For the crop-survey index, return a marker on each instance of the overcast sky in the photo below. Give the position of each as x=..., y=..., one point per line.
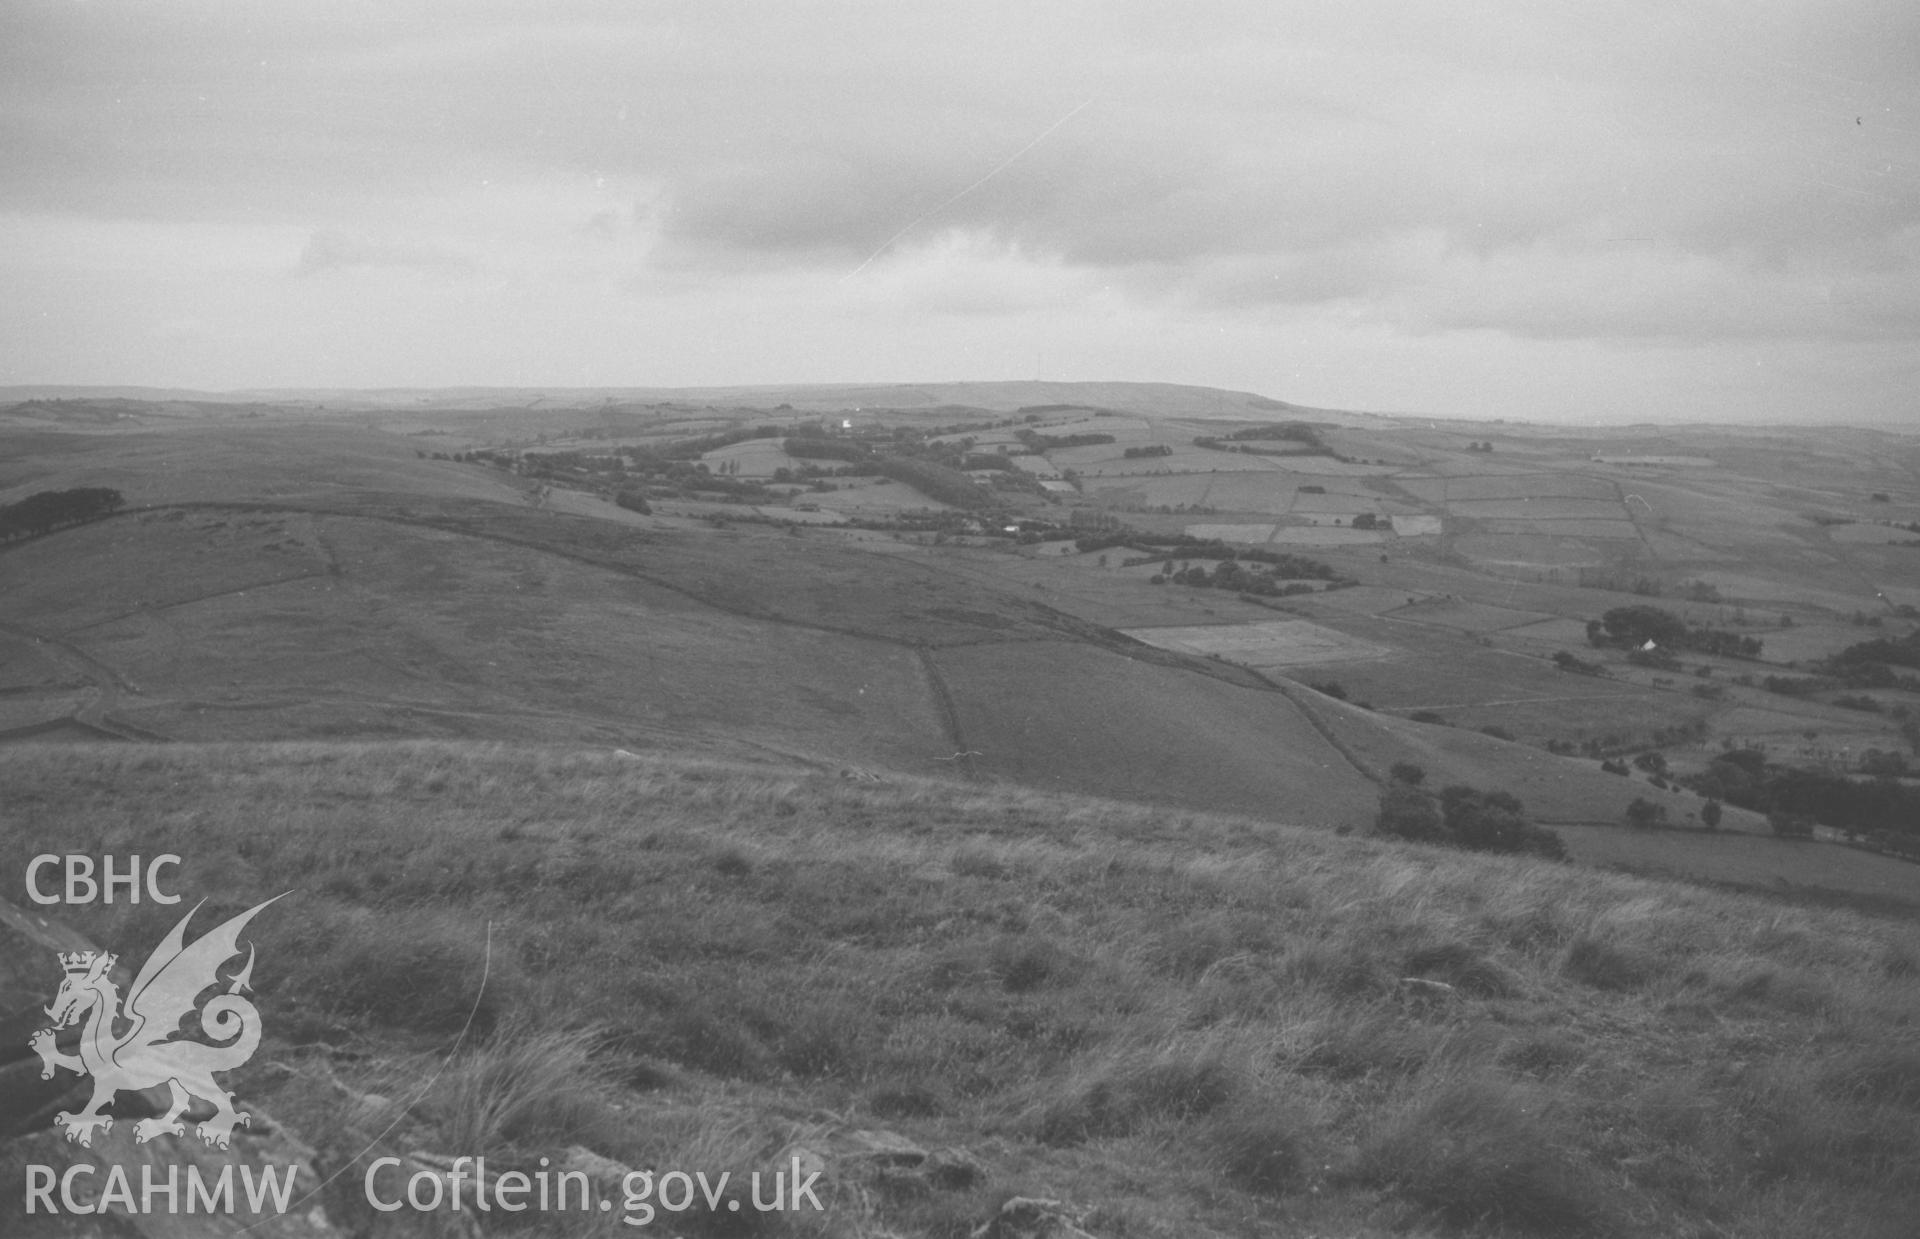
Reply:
x=1607, y=210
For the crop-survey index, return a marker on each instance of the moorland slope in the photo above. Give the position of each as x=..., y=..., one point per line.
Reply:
x=944, y=996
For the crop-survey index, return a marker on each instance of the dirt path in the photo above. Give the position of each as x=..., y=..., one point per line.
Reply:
x=949, y=717
x=108, y=685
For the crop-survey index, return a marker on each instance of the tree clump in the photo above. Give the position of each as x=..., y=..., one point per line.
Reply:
x=1463, y=817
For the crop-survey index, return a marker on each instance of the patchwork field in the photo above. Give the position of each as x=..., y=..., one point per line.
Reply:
x=1603, y=529
x=376, y=591
x=1268, y=643
x=1251, y=534
x=1326, y=535
x=1520, y=486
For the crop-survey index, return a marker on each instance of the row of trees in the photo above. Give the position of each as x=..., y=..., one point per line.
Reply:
x=1461, y=816
x=1045, y=443
x=935, y=481
x=49, y=510
x=1879, y=805
x=1634, y=626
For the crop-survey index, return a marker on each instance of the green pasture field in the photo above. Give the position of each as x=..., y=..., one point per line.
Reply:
x=1538, y=551
x=1807, y=641
x=294, y=461
x=1249, y=534
x=1447, y=612
x=1112, y=597
x=1184, y=459
x=1263, y=643
x=1327, y=467
x=863, y=495
x=1669, y=548
x=1272, y=494
x=1071, y=718
x=1539, y=509
x=1310, y=535
x=756, y=458
x=1176, y=490
x=1123, y=429
x=1491, y=488
x=1347, y=504
x=1872, y=535
x=149, y=562
x=1824, y=872
x=27, y=666
x=1362, y=600
x=1728, y=515
x=1782, y=723
x=1673, y=462
x=1606, y=530
x=1553, y=788
x=1556, y=634
x=1793, y=593
x=432, y=632
x=579, y=503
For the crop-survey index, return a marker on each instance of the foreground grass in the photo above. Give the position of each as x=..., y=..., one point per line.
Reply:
x=1186, y=1024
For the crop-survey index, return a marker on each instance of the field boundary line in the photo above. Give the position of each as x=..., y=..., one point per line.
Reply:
x=1296, y=693
x=949, y=715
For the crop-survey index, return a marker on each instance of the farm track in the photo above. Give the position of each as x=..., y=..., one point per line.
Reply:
x=156, y=608
x=1308, y=710
x=108, y=685
x=949, y=716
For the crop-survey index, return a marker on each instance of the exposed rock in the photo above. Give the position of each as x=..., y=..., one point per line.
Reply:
x=1028, y=1217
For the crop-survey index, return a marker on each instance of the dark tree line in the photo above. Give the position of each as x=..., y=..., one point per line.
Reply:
x=49, y=510
x=1634, y=626
x=1462, y=817
x=936, y=481
x=1882, y=805
x=1046, y=443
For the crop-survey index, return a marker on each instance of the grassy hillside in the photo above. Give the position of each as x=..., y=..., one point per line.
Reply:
x=297, y=573
x=424, y=614
x=1176, y=1024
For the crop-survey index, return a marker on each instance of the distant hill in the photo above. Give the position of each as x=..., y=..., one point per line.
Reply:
x=1164, y=399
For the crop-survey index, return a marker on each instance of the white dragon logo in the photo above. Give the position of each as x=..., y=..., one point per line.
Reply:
x=145, y=1054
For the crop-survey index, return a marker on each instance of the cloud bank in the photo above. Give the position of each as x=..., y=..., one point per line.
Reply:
x=1383, y=206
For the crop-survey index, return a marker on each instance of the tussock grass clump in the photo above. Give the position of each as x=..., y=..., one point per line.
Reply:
x=1605, y=965
x=425, y=971
x=1342, y=968
x=1889, y=1075
x=1131, y=1090
x=1793, y=1131
x=1464, y=968
x=1474, y=1150
x=525, y=1088
x=1262, y=1148
x=1023, y=963
x=1359, y=1043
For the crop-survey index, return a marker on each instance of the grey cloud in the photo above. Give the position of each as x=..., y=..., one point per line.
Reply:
x=1444, y=167
x=329, y=250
